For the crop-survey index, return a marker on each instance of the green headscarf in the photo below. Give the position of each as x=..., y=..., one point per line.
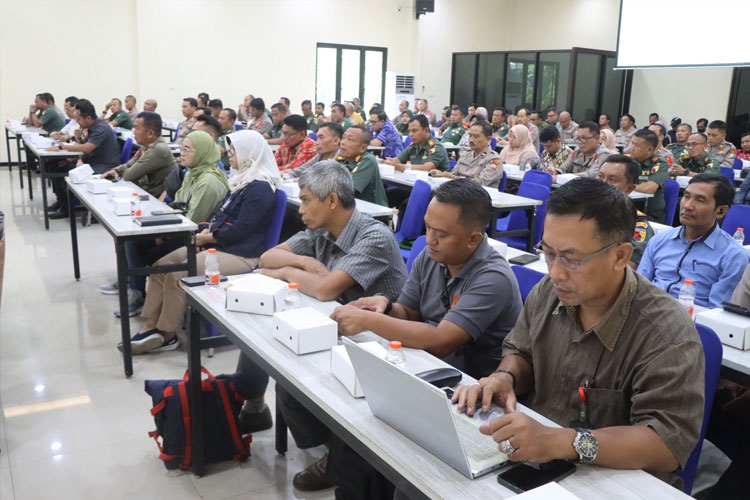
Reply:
x=206, y=155
x=403, y=128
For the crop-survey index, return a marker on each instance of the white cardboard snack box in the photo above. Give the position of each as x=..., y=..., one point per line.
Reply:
x=305, y=330
x=291, y=189
x=733, y=329
x=256, y=294
x=121, y=206
x=97, y=186
x=119, y=192
x=511, y=169
x=388, y=170
x=563, y=178
x=342, y=368
x=80, y=174
x=417, y=175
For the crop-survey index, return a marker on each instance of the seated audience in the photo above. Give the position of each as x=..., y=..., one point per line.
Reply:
x=403, y=123
x=607, y=138
x=402, y=106
x=358, y=109
x=698, y=249
x=696, y=159
x=743, y=152
x=297, y=148
x=500, y=129
x=536, y=119
x=457, y=128
x=349, y=113
x=130, y=107
x=662, y=152
x=425, y=151
x=654, y=172
x=424, y=110
x=480, y=114
x=150, y=105
x=307, y=114
x=320, y=109
x=481, y=164
x=445, y=120
x=243, y=109
x=338, y=115
x=588, y=156
x=605, y=122
x=42, y=114
x=327, y=144
x=594, y=328
x=677, y=148
x=203, y=99
x=701, y=125
x=215, y=105
x=67, y=132
x=626, y=131
x=552, y=117
x=385, y=134
x=524, y=119
x=275, y=135
x=258, y=120
x=555, y=152
x=672, y=134
x=189, y=106
x=520, y=149
x=622, y=172
x=363, y=166
x=208, y=124
x=154, y=160
x=227, y=118
x=567, y=127
x=119, y=117
x=653, y=118
x=236, y=231
x=718, y=147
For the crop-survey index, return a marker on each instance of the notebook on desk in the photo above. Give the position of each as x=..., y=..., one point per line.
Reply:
x=423, y=413
x=158, y=220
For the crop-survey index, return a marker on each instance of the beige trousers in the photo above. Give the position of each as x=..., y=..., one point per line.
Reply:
x=165, y=300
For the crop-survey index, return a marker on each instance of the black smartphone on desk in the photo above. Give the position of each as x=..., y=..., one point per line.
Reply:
x=525, y=477
x=523, y=259
x=192, y=281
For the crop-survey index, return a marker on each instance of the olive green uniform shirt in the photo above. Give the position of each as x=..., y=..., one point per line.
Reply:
x=501, y=130
x=51, y=120
x=643, y=233
x=724, y=152
x=149, y=167
x=223, y=143
x=366, y=178
x=312, y=123
x=706, y=164
x=486, y=168
x=677, y=149
x=453, y=133
x=656, y=170
x=122, y=119
x=275, y=131
x=430, y=151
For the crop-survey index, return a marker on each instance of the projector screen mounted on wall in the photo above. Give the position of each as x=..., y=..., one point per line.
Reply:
x=682, y=33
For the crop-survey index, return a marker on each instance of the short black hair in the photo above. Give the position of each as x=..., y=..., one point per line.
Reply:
x=118, y=100
x=210, y=121
x=649, y=136
x=335, y=128
x=685, y=124
x=744, y=134
x=258, y=103
x=380, y=114
x=192, y=101
x=205, y=109
x=47, y=97
x=422, y=120
x=364, y=133
x=473, y=202
x=215, y=103
x=612, y=210
x=321, y=104
x=632, y=169
x=458, y=108
x=719, y=125
x=71, y=100
x=591, y=126
x=151, y=121
x=630, y=117
x=486, y=127
x=553, y=109
x=501, y=109
x=286, y=101
x=662, y=128
x=296, y=122
x=232, y=113
x=723, y=189
x=204, y=96
x=537, y=113
x=609, y=118
x=340, y=107
x=306, y=102
x=86, y=108
x=279, y=106
x=704, y=121
x=655, y=114
x=473, y=104
x=131, y=96
x=548, y=134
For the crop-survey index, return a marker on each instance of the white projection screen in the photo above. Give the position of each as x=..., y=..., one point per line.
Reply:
x=683, y=33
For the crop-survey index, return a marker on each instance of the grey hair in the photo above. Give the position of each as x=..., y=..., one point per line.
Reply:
x=327, y=177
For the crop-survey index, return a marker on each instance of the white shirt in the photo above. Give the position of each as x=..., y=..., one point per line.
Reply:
x=70, y=127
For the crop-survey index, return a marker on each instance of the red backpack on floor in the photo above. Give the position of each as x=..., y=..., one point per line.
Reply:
x=221, y=405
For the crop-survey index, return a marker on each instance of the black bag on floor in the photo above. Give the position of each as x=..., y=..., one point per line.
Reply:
x=221, y=405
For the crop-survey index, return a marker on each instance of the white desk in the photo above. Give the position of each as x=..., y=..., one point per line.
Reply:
x=518, y=176
x=43, y=155
x=122, y=229
x=17, y=133
x=735, y=362
x=413, y=469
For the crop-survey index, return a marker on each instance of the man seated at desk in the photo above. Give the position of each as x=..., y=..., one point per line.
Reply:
x=275, y=136
x=654, y=172
x=338, y=115
x=567, y=127
x=130, y=102
x=189, y=106
x=625, y=133
x=457, y=128
x=227, y=118
x=587, y=157
x=695, y=160
x=698, y=249
x=500, y=129
x=597, y=349
x=43, y=114
x=661, y=151
x=364, y=167
x=68, y=131
x=297, y=148
x=119, y=117
x=384, y=134
x=258, y=120
x=343, y=255
x=555, y=152
x=327, y=144
x=150, y=105
x=718, y=146
x=683, y=132
x=482, y=164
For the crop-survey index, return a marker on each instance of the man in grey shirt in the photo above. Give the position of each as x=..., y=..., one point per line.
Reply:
x=464, y=290
x=588, y=157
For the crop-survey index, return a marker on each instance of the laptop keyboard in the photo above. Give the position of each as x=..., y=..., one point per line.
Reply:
x=478, y=447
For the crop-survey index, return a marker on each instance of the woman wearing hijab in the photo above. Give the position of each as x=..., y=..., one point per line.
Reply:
x=608, y=139
x=520, y=149
x=403, y=124
x=236, y=230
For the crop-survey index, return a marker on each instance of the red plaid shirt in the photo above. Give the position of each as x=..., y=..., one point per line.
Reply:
x=288, y=158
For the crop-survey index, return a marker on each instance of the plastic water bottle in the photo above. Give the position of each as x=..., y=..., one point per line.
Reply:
x=739, y=236
x=212, y=274
x=408, y=166
x=79, y=163
x=135, y=206
x=291, y=301
x=687, y=297
x=395, y=355
x=527, y=167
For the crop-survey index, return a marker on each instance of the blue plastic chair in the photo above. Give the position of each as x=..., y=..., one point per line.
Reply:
x=527, y=279
x=738, y=216
x=273, y=232
x=671, y=196
x=313, y=136
x=493, y=143
x=728, y=173
x=712, y=351
x=538, y=177
x=407, y=141
x=541, y=149
x=126, y=149
x=439, y=122
x=737, y=165
x=432, y=133
x=67, y=120
x=413, y=222
x=452, y=163
x=517, y=219
x=503, y=181
x=416, y=249
x=238, y=127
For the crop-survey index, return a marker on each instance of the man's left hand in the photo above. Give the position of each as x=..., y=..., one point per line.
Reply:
x=533, y=441
x=351, y=319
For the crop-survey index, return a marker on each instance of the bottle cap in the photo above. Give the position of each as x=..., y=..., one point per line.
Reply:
x=293, y=285
x=135, y=194
x=211, y=250
x=688, y=282
x=740, y=229
x=395, y=344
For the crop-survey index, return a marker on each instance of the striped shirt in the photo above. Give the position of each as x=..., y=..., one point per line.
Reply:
x=366, y=250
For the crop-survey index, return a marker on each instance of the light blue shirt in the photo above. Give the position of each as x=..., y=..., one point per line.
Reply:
x=715, y=263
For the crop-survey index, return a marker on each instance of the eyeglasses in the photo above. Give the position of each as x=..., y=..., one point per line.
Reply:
x=584, y=139
x=290, y=134
x=569, y=264
x=185, y=149
x=694, y=144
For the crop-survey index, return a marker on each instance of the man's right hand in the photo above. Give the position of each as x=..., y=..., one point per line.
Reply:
x=497, y=388
x=110, y=174
x=377, y=302
x=314, y=266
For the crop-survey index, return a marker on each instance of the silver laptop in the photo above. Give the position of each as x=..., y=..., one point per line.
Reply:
x=424, y=414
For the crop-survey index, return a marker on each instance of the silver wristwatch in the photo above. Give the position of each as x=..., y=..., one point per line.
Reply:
x=586, y=446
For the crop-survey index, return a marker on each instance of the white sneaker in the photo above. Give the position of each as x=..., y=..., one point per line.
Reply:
x=135, y=303
x=110, y=288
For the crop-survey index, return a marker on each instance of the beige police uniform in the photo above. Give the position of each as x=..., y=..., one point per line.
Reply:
x=486, y=168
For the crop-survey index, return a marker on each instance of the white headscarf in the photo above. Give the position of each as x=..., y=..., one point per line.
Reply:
x=254, y=159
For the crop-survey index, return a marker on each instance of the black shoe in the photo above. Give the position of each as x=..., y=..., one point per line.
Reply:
x=248, y=422
x=55, y=206
x=313, y=478
x=58, y=214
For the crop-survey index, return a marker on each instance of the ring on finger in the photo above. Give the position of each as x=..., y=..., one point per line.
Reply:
x=507, y=448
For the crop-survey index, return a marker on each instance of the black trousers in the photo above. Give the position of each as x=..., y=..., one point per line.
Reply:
x=251, y=380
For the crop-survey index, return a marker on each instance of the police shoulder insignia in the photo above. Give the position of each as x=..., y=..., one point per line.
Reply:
x=655, y=169
x=639, y=235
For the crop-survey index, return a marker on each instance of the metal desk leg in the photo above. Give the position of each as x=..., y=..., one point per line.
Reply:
x=531, y=216
x=20, y=165
x=44, y=191
x=493, y=223
x=281, y=433
x=122, y=283
x=191, y=261
x=73, y=235
x=194, y=378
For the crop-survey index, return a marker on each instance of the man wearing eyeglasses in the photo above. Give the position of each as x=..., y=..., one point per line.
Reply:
x=297, y=147
x=597, y=349
x=587, y=157
x=384, y=134
x=695, y=160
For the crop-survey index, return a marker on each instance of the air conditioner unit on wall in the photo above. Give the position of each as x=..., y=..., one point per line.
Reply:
x=398, y=87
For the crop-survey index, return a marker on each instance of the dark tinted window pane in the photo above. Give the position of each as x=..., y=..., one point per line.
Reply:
x=612, y=89
x=552, y=80
x=464, y=66
x=519, y=89
x=490, y=81
x=585, y=98
x=739, y=122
